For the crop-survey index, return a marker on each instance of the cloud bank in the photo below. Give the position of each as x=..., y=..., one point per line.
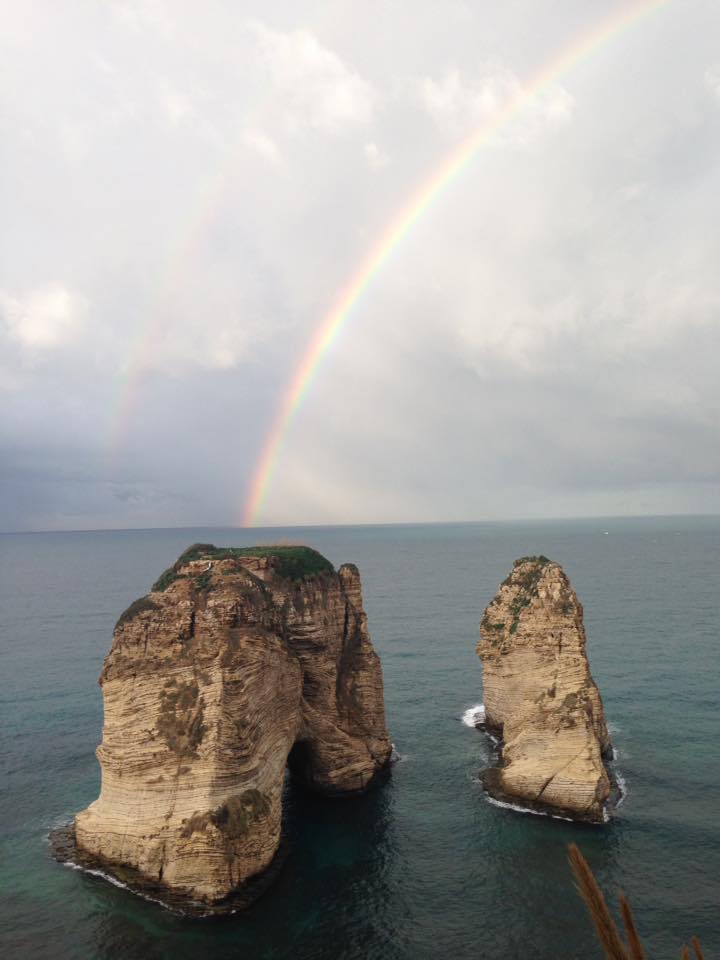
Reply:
x=186, y=191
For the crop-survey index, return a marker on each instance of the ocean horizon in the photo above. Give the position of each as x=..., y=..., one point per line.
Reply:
x=502, y=521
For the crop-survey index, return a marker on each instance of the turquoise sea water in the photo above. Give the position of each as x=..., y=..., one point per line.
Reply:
x=423, y=867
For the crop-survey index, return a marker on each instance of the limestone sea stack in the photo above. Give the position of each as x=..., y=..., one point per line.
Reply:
x=239, y=662
x=540, y=699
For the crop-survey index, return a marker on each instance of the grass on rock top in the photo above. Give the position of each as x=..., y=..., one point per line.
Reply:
x=294, y=562
x=527, y=582
x=136, y=607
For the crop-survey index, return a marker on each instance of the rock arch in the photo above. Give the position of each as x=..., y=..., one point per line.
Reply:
x=238, y=662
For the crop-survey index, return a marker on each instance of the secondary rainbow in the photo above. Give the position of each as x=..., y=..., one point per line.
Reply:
x=179, y=262
x=429, y=191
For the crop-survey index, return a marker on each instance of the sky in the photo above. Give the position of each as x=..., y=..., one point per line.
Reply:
x=186, y=188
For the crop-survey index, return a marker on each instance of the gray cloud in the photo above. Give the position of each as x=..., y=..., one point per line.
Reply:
x=186, y=191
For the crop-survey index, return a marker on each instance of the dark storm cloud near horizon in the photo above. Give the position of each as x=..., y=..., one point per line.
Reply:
x=185, y=192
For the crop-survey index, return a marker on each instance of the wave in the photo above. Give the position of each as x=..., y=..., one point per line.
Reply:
x=622, y=787
x=100, y=873
x=520, y=809
x=94, y=872
x=617, y=776
x=474, y=715
x=607, y=809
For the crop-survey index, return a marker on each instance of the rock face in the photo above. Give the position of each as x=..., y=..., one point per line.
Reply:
x=540, y=698
x=238, y=662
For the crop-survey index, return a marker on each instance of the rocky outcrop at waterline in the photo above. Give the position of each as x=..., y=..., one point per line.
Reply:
x=239, y=662
x=540, y=700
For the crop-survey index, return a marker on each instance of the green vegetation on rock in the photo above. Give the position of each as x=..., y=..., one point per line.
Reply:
x=294, y=562
x=232, y=818
x=135, y=608
x=489, y=627
x=164, y=580
x=203, y=581
x=237, y=813
x=527, y=580
x=180, y=720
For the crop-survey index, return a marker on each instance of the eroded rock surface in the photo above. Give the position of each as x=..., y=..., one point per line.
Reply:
x=540, y=698
x=236, y=661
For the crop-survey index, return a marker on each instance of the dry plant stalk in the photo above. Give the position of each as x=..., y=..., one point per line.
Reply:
x=607, y=930
x=637, y=950
x=696, y=947
x=589, y=889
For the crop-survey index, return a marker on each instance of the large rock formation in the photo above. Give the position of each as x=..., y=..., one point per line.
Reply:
x=238, y=662
x=540, y=698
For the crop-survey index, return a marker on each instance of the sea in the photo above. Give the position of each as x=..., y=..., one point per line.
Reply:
x=423, y=866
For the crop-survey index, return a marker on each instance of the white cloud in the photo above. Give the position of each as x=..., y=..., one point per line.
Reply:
x=376, y=158
x=316, y=88
x=712, y=79
x=454, y=104
x=143, y=15
x=262, y=144
x=208, y=176
x=176, y=105
x=74, y=140
x=556, y=105
x=459, y=106
x=47, y=318
x=632, y=191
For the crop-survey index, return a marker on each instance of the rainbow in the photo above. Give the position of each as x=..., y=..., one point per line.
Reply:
x=210, y=201
x=429, y=191
x=182, y=255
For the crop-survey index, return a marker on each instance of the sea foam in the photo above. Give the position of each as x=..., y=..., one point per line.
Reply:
x=474, y=715
x=118, y=883
x=622, y=787
x=520, y=809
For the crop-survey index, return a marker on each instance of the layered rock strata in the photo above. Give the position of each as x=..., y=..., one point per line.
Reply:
x=238, y=662
x=540, y=700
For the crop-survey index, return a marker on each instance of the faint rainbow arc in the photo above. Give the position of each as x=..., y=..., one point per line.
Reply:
x=430, y=190
x=179, y=259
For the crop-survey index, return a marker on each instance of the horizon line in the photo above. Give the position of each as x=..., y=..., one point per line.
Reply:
x=372, y=523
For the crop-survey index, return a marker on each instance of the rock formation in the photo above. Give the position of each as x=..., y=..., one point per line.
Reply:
x=540, y=699
x=239, y=661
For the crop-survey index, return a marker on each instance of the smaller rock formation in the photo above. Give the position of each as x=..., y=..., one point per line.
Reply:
x=540, y=699
x=239, y=663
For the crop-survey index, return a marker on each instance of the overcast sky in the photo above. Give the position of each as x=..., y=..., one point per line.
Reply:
x=185, y=187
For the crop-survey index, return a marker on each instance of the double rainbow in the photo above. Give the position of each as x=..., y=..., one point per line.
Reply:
x=429, y=191
x=330, y=325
